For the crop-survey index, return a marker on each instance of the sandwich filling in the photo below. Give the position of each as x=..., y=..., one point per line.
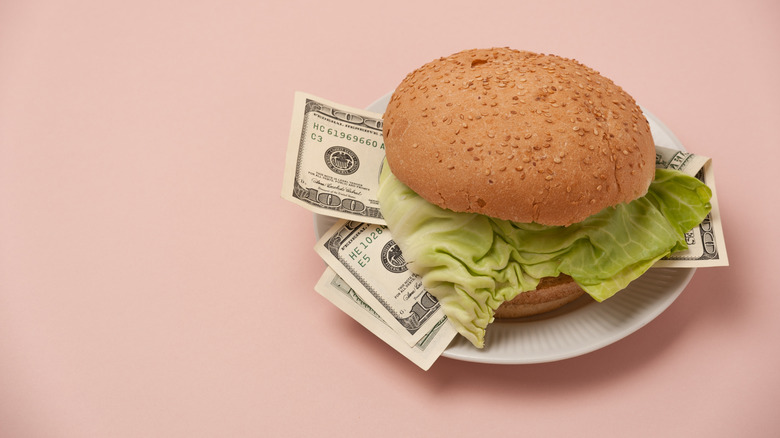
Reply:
x=472, y=263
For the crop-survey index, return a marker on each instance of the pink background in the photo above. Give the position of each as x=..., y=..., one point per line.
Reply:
x=153, y=282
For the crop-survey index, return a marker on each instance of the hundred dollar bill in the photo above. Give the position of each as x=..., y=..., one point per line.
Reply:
x=369, y=260
x=706, y=245
x=334, y=156
x=424, y=353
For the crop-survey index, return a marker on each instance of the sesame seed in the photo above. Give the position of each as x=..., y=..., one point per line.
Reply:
x=548, y=177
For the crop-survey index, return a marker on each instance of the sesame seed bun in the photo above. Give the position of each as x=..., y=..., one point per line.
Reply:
x=518, y=135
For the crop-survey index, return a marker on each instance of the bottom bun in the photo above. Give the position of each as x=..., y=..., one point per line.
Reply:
x=550, y=294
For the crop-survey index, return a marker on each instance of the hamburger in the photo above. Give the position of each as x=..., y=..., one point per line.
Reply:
x=515, y=182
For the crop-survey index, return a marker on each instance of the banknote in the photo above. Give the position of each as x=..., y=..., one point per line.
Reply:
x=706, y=244
x=369, y=260
x=334, y=157
x=335, y=154
x=424, y=353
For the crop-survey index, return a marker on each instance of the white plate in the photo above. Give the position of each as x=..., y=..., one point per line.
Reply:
x=582, y=326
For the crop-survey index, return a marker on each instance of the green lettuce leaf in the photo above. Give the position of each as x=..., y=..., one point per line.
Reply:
x=472, y=263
